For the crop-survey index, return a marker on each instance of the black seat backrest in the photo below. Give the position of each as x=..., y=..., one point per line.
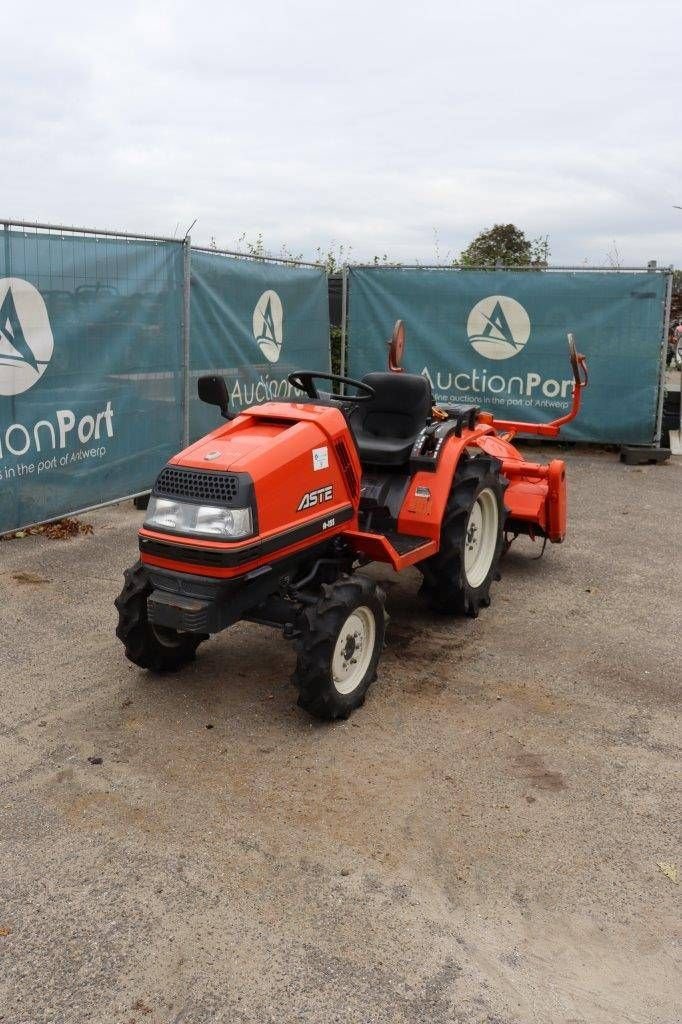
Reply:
x=400, y=407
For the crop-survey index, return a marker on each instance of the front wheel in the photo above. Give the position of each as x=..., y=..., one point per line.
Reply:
x=457, y=579
x=341, y=638
x=153, y=647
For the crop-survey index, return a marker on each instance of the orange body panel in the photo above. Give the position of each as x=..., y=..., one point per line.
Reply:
x=421, y=516
x=536, y=494
x=377, y=547
x=275, y=442
x=557, y=503
x=527, y=500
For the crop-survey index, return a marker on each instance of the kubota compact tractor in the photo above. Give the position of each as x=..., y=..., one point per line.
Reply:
x=268, y=518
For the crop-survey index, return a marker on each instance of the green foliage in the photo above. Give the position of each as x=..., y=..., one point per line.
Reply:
x=505, y=244
x=334, y=259
x=255, y=248
x=335, y=347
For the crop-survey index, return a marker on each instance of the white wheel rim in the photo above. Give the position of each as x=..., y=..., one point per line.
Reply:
x=353, y=650
x=480, y=537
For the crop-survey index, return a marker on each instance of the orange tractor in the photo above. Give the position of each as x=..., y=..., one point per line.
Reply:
x=269, y=517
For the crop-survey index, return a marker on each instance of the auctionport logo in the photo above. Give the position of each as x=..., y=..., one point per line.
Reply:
x=498, y=327
x=26, y=341
x=268, y=318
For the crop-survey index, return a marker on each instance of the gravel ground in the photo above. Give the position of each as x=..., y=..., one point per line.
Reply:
x=479, y=843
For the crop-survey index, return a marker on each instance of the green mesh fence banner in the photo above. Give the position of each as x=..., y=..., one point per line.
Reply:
x=497, y=339
x=90, y=370
x=254, y=322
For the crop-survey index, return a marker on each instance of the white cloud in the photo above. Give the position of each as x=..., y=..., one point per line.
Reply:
x=373, y=125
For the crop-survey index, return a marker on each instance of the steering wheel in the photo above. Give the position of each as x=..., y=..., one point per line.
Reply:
x=303, y=380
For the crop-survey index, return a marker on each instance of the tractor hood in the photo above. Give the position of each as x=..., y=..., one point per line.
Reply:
x=290, y=463
x=229, y=448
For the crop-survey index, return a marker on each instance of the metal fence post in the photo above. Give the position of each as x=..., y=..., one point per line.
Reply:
x=8, y=273
x=186, y=289
x=662, y=379
x=344, y=296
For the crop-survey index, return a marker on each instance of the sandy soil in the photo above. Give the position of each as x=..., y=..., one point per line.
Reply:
x=479, y=843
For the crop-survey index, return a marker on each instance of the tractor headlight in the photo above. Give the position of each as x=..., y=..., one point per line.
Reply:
x=207, y=520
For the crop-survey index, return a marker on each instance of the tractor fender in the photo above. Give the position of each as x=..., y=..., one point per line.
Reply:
x=499, y=447
x=423, y=507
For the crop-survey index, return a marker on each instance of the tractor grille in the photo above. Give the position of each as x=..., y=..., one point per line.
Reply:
x=212, y=488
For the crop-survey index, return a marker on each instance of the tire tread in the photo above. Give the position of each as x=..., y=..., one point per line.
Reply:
x=319, y=628
x=136, y=634
x=445, y=585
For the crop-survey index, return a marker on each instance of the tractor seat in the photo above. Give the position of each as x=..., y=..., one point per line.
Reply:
x=386, y=427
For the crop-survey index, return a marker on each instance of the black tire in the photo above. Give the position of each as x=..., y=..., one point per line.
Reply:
x=446, y=585
x=155, y=648
x=320, y=628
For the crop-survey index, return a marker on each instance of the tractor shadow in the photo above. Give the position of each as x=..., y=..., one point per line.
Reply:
x=245, y=673
x=526, y=558
x=241, y=682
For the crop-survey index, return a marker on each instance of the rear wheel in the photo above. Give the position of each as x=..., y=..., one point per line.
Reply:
x=341, y=639
x=153, y=647
x=457, y=580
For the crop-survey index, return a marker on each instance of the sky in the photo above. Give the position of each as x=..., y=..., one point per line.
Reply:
x=394, y=128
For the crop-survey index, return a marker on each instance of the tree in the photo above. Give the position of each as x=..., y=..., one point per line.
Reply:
x=506, y=244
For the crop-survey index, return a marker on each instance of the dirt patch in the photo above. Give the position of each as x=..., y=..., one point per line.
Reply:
x=30, y=578
x=490, y=838
x=62, y=529
x=534, y=769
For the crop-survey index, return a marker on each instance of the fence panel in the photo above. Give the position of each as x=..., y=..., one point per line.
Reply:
x=498, y=339
x=254, y=321
x=90, y=370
